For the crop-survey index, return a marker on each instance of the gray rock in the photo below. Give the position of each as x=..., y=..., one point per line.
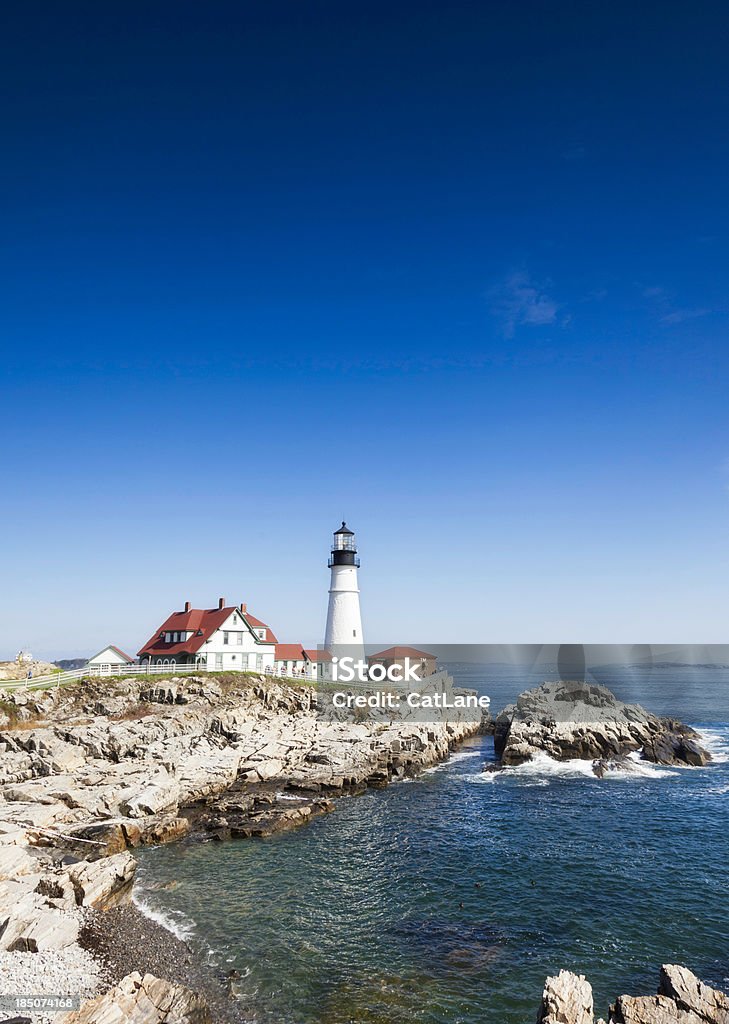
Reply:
x=582, y=720
x=566, y=999
x=142, y=1000
x=103, y=883
x=692, y=995
x=15, y=860
x=651, y=1010
x=32, y=926
x=682, y=999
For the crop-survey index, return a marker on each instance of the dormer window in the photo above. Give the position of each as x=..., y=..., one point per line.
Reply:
x=261, y=634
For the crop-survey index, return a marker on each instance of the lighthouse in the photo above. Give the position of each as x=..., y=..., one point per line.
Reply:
x=344, y=621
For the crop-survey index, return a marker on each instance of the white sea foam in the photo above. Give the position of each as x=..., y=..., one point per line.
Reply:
x=718, y=790
x=643, y=769
x=542, y=768
x=716, y=742
x=178, y=924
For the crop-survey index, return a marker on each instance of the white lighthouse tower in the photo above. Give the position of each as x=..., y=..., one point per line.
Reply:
x=344, y=621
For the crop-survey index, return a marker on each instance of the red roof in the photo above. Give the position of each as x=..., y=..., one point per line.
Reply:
x=290, y=652
x=202, y=623
x=401, y=652
x=316, y=655
x=257, y=624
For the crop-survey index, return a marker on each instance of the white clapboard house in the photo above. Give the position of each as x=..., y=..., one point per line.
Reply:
x=110, y=660
x=226, y=638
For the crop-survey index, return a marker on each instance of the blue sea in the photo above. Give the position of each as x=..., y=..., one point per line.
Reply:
x=451, y=897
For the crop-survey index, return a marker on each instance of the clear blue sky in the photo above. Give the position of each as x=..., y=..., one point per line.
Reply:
x=457, y=272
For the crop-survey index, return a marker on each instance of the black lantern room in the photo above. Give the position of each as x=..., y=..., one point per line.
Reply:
x=344, y=549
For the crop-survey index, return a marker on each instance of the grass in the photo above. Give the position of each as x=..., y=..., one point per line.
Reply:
x=227, y=680
x=10, y=711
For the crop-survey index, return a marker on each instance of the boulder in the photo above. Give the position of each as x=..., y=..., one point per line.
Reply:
x=582, y=720
x=682, y=999
x=142, y=1000
x=692, y=995
x=566, y=999
x=161, y=794
x=14, y=861
x=31, y=926
x=95, y=840
x=103, y=883
x=651, y=1010
x=164, y=829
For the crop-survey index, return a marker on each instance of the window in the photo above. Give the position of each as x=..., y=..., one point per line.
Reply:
x=244, y=661
x=225, y=637
x=218, y=660
x=261, y=634
x=168, y=638
x=259, y=662
x=354, y=632
x=238, y=638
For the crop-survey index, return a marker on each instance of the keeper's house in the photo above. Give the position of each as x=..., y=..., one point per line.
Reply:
x=226, y=638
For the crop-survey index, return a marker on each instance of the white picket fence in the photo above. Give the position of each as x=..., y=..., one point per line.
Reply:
x=59, y=678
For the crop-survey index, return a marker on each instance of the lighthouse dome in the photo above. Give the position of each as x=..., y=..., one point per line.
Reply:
x=344, y=548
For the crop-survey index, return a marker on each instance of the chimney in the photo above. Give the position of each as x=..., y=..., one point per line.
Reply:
x=243, y=608
x=221, y=603
x=187, y=606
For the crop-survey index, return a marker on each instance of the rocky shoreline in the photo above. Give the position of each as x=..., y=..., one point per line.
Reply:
x=91, y=772
x=126, y=940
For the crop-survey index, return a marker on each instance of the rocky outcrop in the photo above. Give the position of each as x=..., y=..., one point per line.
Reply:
x=693, y=995
x=582, y=720
x=260, y=812
x=124, y=758
x=104, y=767
x=566, y=999
x=681, y=999
x=103, y=883
x=142, y=1000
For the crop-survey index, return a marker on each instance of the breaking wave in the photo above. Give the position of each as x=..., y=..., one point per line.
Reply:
x=716, y=742
x=542, y=769
x=174, y=921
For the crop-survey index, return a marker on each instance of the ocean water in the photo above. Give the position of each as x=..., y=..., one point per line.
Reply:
x=449, y=898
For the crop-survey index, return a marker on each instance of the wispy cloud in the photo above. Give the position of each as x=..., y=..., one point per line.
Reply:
x=678, y=316
x=662, y=303
x=518, y=301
